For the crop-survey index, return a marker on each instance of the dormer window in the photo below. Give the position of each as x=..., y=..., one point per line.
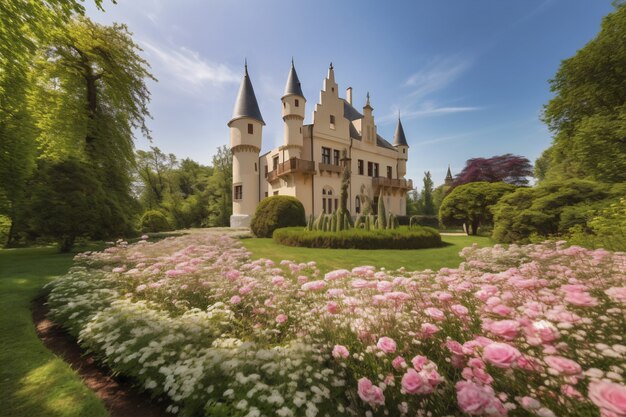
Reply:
x=332, y=122
x=297, y=103
x=250, y=128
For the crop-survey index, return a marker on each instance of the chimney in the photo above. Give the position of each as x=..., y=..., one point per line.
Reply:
x=349, y=95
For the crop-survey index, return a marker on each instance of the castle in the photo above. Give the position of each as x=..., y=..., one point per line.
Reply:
x=309, y=164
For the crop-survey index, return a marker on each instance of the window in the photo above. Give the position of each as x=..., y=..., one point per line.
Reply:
x=370, y=169
x=360, y=167
x=297, y=103
x=389, y=172
x=275, y=163
x=403, y=150
x=275, y=193
x=238, y=192
x=325, y=155
x=376, y=170
x=357, y=204
x=336, y=156
x=250, y=128
x=332, y=121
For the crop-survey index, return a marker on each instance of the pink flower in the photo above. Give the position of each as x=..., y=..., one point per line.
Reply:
x=370, y=393
x=459, y=310
x=563, y=365
x=541, y=332
x=414, y=383
x=313, y=286
x=610, y=397
x=473, y=399
x=501, y=310
x=435, y=313
x=429, y=329
x=278, y=280
x=340, y=351
x=617, y=294
x=507, y=329
x=500, y=355
x=281, y=318
x=332, y=307
x=397, y=296
x=235, y=299
x=337, y=274
x=386, y=344
x=581, y=299
x=419, y=361
x=119, y=269
x=398, y=362
x=384, y=286
x=245, y=289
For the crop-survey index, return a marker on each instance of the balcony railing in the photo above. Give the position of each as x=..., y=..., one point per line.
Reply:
x=292, y=166
x=329, y=167
x=392, y=183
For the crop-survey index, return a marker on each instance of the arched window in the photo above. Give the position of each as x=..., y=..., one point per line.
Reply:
x=357, y=204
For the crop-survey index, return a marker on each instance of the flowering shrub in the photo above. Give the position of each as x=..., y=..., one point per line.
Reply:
x=518, y=331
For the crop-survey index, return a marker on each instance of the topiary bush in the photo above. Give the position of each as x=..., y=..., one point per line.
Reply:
x=154, y=221
x=401, y=238
x=276, y=212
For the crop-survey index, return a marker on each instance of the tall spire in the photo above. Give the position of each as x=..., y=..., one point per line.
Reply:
x=449, y=178
x=293, y=86
x=246, y=104
x=399, y=139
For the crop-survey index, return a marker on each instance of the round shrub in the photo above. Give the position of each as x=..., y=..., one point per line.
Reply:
x=402, y=238
x=275, y=212
x=154, y=221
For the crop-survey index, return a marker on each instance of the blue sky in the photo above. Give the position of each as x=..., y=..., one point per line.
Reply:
x=469, y=77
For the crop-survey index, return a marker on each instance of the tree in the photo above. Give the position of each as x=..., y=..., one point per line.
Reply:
x=508, y=168
x=439, y=194
x=428, y=206
x=219, y=188
x=154, y=172
x=67, y=201
x=88, y=97
x=470, y=204
x=588, y=112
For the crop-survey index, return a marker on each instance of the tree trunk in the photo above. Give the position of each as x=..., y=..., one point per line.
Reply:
x=475, y=224
x=10, y=237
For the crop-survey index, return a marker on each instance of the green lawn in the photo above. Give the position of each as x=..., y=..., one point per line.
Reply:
x=329, y=259
x=33, y=381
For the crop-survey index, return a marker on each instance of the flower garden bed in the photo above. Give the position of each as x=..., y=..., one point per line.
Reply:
x=522, y=331
x=401, y=238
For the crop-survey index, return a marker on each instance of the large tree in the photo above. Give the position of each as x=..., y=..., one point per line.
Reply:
x=427, y=204
x=588, y=113
x=220, y=188
x=512, y=169
x=88, y=99
x=470, y=204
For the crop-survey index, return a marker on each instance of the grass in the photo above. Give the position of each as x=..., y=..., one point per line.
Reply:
x=329, y=259
x=34, y=381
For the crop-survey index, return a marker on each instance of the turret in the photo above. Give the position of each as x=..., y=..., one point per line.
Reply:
x=245, y=143
x=449, y=180
x=400, y=143
x=293, y=114
x=368, y=127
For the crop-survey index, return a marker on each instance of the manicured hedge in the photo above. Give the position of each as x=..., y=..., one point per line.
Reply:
x=402, y=238
x=275, y=212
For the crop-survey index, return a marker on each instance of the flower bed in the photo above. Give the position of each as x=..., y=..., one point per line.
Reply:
x=402, y=238
x=530, y=330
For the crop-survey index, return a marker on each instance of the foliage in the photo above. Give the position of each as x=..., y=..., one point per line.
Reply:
x=424, y=220
x=403, y=238
x=607, y=229
x=427, y=203
x=67, y=201
x=219, y=188
x=550, y=208
x=508, y=168
x=275, y=212
x=34, y=381
x=154, y=221
x=588, y=113
x=471, y=204
x=512, y=331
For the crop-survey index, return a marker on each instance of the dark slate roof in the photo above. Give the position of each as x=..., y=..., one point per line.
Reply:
x=246, y=104
x=354, y=134
x=399, y=139
x=293, y=84
x=350, y=112
x=380, y=141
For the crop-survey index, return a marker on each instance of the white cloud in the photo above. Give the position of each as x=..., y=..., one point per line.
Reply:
x=436, y=75
x=187, y=66
x=428, y=109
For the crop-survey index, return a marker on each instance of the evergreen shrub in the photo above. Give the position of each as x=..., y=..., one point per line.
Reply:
x=154, y=221
x=422, y=220
x=276, y=212
x=401, y=238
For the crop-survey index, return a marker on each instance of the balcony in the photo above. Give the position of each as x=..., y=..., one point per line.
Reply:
x=330, y=167
x=396, y=183
x=292, y=166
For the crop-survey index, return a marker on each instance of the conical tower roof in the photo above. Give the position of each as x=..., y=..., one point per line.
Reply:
x=399, y=139
x=293, y=86
x=246, y=104
x=449, y=174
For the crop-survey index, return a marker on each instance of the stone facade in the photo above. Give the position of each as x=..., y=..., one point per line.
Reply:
x=309, y=164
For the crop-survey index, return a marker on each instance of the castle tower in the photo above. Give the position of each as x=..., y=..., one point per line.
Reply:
x=245, y=143
x=400, y=143
x=293, y=115
x=368, y=126
x=449, y=180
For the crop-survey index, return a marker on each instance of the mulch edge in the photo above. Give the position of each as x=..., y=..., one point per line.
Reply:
x=120, y=397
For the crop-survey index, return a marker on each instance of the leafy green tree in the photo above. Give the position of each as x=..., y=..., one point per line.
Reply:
x=471, y=204
x=67, y=201
x=551, y=208
x=153, y=172
x=588, y=113
x=439, y=194
x=219, y=188
x=428, y=205
x=413, y=203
